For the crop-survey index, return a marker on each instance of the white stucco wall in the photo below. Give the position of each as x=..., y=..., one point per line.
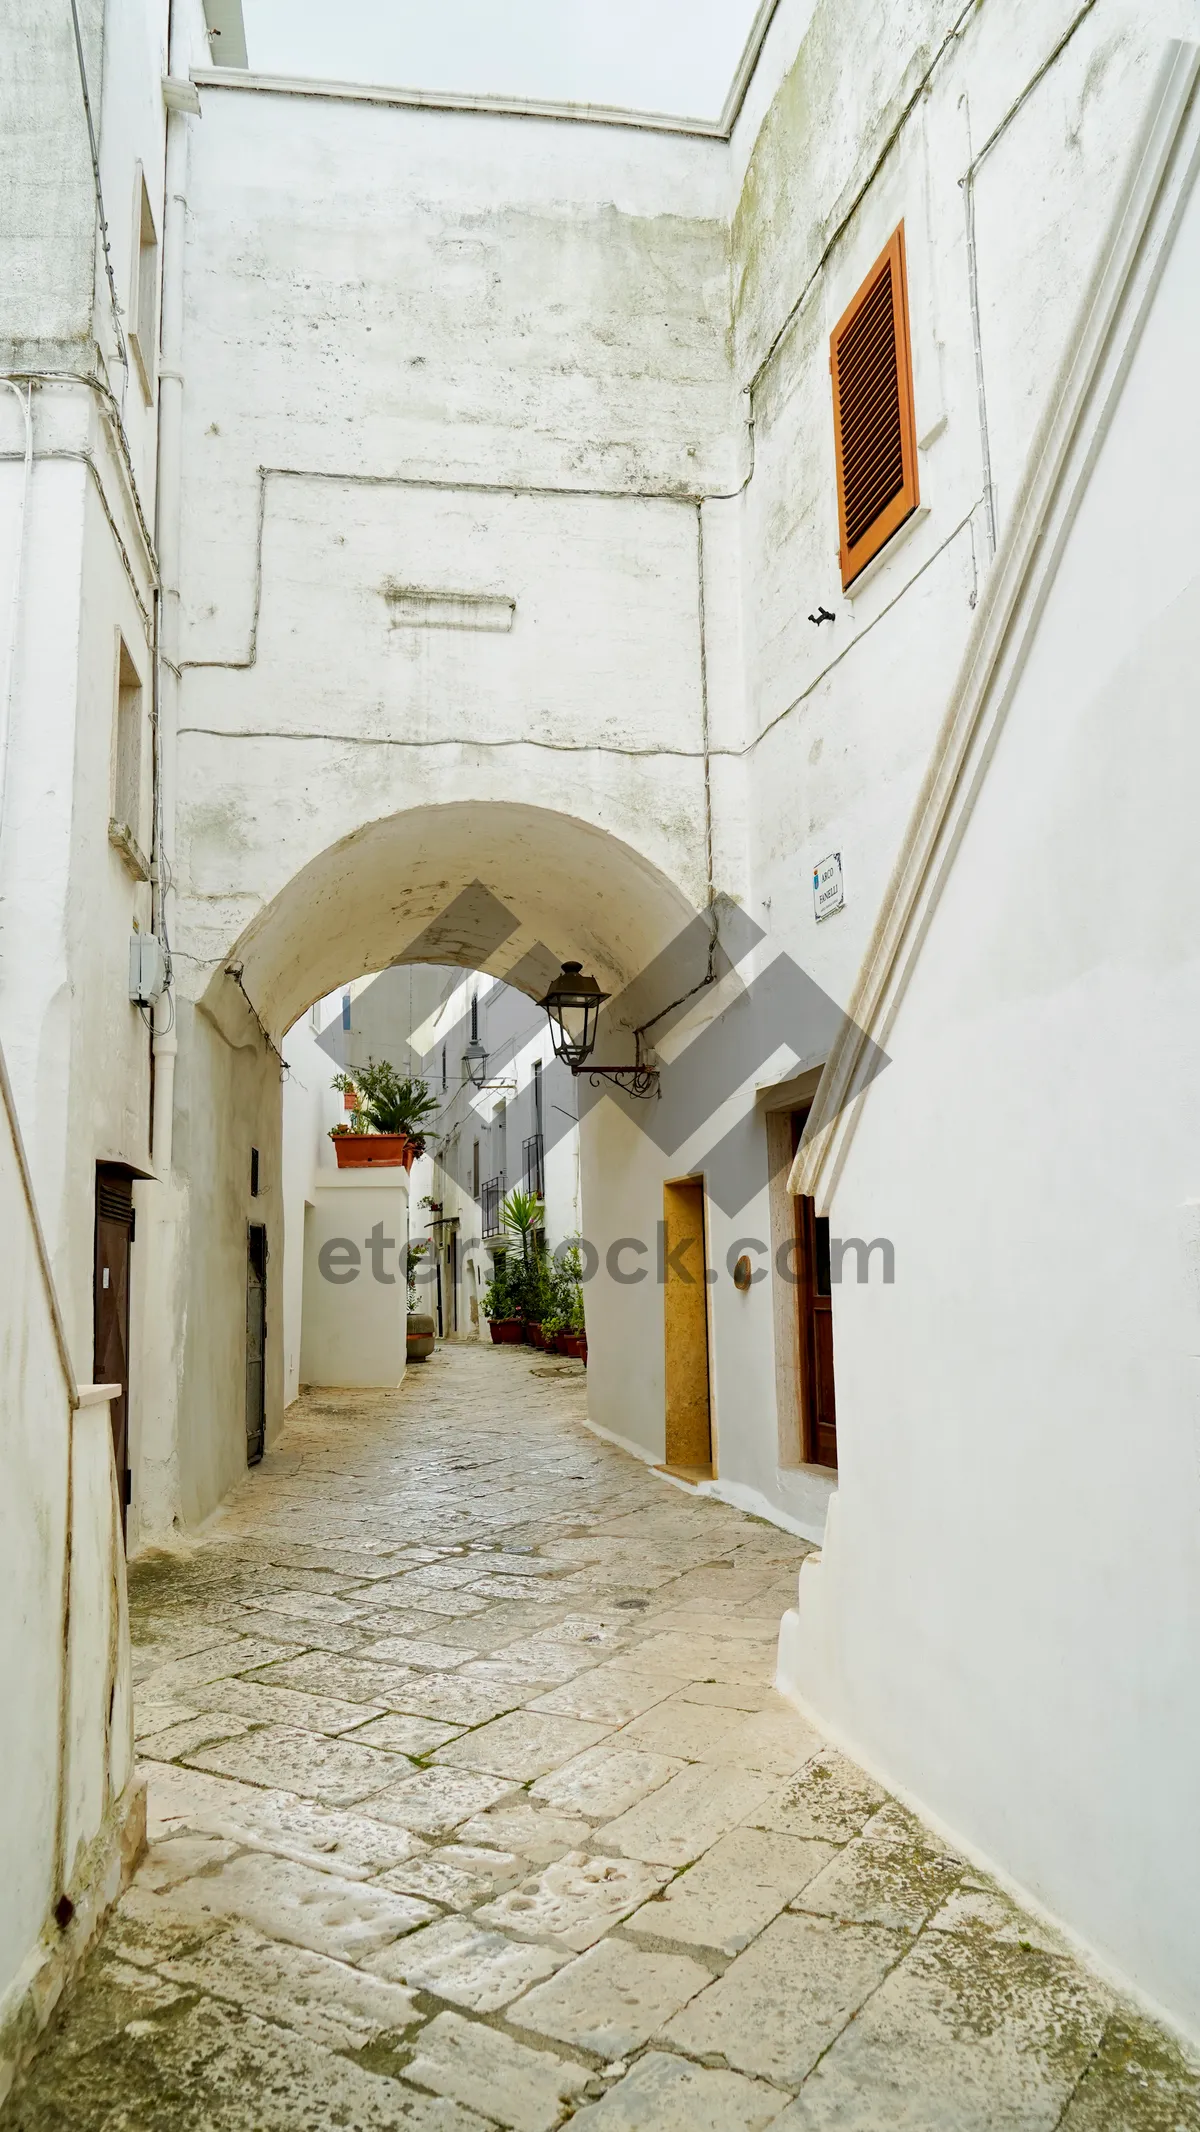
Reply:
x=65, y=1682
x=355, y=1308
x=310, y=1108
x=1005, y=1619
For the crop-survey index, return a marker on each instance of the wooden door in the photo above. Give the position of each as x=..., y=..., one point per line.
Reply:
x=256, y=1342
x=110, y=1357
x=814, y=1296
x=685, y=1321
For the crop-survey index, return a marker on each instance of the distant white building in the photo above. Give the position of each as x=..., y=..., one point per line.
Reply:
x=484, y=1052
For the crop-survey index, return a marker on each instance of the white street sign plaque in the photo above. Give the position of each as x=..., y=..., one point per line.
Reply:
x=828, y=890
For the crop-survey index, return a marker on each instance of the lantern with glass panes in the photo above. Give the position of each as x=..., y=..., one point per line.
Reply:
x=573, y=1005
x=474, y=1058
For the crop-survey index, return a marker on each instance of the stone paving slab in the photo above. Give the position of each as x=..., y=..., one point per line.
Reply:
x=487, y=2070
x=612, y=1999
x=689, y=1731
x=606, y=1781
x=216, y=2069
x=893, y=1874
x=668, y=1905
x=829, y=1800
x=779, y=2005
x=324, y=2000
x=667, y=2094
x=335, y=1771
x=687, y=1814
x=401, y=1734
x=457, y=1875
x=523, y=1745
x=170, y=1742
x=958, y=2039
x=435, y=1801
x=467, y=1964
x=610, y=1694
x=331, y=1839
x=538, y=1833
x=261, y=1705
x=348, y=1920
x=576, y=1900
x=735, y=1889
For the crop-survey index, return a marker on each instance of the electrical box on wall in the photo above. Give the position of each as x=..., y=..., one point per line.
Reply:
x=147, y=969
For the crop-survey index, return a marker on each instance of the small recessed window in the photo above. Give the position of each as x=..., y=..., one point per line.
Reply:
x=125, y=828
x=254, y=1173
x=143, y=293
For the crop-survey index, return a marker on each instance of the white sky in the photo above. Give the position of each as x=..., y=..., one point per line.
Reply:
x=650, y=55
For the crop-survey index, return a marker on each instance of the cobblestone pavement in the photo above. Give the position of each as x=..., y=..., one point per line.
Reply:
x=472, y=1804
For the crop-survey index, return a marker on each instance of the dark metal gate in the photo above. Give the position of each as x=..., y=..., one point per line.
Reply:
x=256, y=1343
x=110, y=1362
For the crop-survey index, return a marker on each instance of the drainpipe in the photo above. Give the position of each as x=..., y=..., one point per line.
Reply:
x=10, y=675
x=167, y=506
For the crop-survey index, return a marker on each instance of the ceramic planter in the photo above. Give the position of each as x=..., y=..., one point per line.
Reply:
x=362, y=1151
x=421, y=1336
x=506, y=1332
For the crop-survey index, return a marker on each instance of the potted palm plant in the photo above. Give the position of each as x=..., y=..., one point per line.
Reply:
x=523, y=1215
x=386, y=1126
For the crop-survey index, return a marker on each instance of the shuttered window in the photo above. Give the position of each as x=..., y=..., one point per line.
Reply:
x=873, y=425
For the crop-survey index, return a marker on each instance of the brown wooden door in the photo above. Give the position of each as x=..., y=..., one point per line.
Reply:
x=814, y=1295
x=110, y=1360
x=685, y=1325
x=256, y=1343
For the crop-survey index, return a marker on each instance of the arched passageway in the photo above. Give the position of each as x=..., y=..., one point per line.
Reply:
x=500, y=886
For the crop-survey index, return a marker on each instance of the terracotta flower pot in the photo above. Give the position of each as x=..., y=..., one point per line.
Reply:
x=506, y=1332
x=561, y=1340
x=577, y=1346
x=361, y=1151
x=536, y=1336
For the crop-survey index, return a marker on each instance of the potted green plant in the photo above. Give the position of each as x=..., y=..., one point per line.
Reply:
x=386, y=1125
x=571, y=1338
x=498, y=1304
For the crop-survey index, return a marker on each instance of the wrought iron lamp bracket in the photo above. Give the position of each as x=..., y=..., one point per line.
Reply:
x=635, y=1080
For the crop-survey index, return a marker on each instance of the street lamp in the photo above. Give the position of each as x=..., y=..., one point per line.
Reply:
x=474, y=1063
x=573, y=1005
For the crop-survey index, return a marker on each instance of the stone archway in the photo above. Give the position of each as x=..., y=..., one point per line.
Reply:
x=496, y=884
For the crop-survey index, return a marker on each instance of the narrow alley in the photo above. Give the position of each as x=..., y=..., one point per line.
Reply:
x=471, y=1803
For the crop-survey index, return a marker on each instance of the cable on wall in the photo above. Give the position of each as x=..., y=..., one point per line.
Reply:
x=102, y=218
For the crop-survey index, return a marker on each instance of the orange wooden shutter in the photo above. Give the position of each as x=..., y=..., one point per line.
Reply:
x=874, y=428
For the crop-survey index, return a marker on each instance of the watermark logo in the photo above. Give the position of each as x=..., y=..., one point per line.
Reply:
x=628, y=1260
x=706, y=1087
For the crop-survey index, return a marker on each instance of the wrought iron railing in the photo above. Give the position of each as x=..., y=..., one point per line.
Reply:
x=533, y=1165
x=492, y=1200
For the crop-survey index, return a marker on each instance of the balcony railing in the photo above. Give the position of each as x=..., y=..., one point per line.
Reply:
x=533, y=1165
x=492, y=1200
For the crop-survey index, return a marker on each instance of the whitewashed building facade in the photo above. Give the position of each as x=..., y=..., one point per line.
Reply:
x=496, y=555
